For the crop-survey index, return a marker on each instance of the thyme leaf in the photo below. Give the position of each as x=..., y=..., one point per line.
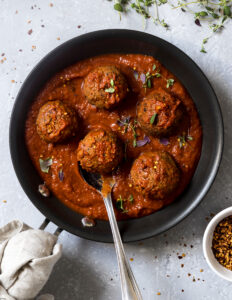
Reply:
x=110, y=90
x=202, y=10
x=131, y=198
x=153, y=118
x=170, y=82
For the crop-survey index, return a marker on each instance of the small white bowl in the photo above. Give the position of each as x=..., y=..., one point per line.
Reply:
x=207, y=245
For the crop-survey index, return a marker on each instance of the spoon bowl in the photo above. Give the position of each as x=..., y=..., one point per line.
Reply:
x=129, y=287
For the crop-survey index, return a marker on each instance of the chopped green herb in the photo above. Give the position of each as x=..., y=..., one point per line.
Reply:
x=152, y=120
x=131, y=198
x=127, y=124
x=154, y=67
x=148, y=82
x=182, y=140
x=170, y=82
x=119, y=204
x=134, y=142
x=157, y=75
x=112, y=82
x=110, y=90
x=45, y=164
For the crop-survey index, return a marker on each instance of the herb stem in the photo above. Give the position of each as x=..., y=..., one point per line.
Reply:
x=194, y=2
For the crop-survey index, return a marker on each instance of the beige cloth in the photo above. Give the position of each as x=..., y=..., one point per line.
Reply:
x=27, y=257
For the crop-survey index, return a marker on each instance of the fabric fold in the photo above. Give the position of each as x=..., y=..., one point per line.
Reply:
x=27, y=257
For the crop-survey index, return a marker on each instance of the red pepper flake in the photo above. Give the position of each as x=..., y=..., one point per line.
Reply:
x=182, y=291
x=13, y=81
x=29, y=21
x=158, y=294
x=16, y=12
x=30, y=32
x=33, y=48
x=182, y=265
x=131, y=259
x=3, y=54
x=58, y=38
x=201, y=270
x=194, y=279
x=185, y=245
x=51, y=4
x=180, y=257
x=79, y=26
x=189, y=274
x=4, y=201
x=183, y=255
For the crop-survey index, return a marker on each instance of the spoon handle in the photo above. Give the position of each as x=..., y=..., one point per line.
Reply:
x=129, y=287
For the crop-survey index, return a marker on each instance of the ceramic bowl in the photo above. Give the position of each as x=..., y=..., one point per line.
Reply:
x=207, y=245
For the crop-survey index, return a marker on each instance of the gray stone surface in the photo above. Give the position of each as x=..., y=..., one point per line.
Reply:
x=88, y=270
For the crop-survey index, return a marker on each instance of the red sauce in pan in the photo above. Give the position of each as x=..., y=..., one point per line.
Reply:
x=73, y=191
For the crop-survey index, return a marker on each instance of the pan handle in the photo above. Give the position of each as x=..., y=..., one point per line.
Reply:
x=45, y=224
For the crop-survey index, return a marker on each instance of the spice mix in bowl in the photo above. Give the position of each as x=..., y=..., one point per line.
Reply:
x=217, y=244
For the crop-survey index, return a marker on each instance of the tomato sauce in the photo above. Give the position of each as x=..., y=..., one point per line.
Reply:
x=73, y=191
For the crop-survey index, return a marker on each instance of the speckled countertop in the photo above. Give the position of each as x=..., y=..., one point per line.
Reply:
x=88, y=270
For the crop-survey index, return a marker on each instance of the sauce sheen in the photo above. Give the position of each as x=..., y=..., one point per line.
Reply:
x=73, y=191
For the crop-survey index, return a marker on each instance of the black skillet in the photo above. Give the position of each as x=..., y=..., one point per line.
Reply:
x=120, y=41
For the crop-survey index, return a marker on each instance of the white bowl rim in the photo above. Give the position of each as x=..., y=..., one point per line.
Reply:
x=211, y=226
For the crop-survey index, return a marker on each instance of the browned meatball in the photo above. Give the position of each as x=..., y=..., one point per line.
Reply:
x=100, y=151
x=105, y=87
x=56, y=122
x=155, y=174
x=159, y=113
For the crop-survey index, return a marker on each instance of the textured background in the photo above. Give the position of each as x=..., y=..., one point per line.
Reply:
x=88, y=270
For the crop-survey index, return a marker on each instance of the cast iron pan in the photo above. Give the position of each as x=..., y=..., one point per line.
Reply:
x=120, y=41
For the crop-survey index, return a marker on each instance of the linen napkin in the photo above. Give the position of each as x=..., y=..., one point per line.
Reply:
x=27, y=257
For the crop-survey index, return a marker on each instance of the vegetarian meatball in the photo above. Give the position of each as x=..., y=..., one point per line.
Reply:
x=56, y=122
x=159, y=113
x=155, y=174
x=100, y=151
x=105, y=87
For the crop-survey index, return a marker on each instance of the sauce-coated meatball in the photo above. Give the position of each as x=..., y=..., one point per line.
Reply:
x=155, y=174
x=100, y=151
x=159, y=113
x=56, y=122
x=105, y=87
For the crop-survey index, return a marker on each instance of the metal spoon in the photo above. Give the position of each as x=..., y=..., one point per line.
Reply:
x=129, y=287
